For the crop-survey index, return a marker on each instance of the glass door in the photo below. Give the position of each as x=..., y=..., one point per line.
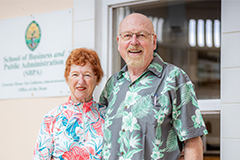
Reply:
x=188, y=35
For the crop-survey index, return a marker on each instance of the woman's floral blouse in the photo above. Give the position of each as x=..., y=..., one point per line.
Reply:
x=72, y=131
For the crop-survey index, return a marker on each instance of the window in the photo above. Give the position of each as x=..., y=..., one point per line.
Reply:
x=188, y=35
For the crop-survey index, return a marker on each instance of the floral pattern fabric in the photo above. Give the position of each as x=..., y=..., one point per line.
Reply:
x=150, y=118
x=72, y=131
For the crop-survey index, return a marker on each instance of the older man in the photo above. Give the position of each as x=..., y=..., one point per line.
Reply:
x=152, y=108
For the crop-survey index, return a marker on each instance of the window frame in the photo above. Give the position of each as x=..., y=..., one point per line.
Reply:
x=207, y=106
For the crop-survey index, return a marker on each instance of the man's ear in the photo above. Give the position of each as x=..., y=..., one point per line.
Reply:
x=117, y=38
x=154, y=41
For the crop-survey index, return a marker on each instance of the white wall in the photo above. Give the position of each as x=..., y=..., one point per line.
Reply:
x=20, y=119
x=230, y=80
x=86, y=32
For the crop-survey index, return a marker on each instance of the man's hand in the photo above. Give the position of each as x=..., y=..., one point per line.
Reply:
x=193, y=149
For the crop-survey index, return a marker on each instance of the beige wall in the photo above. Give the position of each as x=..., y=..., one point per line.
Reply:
x=18, y=8
x=20, y=119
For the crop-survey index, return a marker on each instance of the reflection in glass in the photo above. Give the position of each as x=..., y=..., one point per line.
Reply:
x=155, y=21
x=160, y=30
x=200, y=31
x=209, y=33
x=192, y=32
x=217, y=33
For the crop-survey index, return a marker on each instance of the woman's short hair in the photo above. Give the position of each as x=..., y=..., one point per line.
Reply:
x=81, y=56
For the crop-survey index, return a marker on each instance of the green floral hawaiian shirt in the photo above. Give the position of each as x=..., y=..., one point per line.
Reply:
x=152, y=116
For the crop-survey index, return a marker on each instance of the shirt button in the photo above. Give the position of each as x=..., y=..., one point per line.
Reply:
x=126, y=107
x=122, y=153
x=123, y=130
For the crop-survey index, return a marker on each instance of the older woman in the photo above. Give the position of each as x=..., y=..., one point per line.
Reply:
x=74, y=130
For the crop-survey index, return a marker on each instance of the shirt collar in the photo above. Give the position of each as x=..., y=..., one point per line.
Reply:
x=86, y=106
x=156, y=67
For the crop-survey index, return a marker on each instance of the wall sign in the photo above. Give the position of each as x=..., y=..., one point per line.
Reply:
x=33, y=54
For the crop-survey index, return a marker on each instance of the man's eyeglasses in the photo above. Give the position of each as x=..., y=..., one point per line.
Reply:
x=141, y=35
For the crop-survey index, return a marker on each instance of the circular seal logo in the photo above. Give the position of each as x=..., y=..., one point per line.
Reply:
x=33, y=35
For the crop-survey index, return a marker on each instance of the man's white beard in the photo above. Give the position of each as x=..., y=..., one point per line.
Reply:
x=134, y=61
